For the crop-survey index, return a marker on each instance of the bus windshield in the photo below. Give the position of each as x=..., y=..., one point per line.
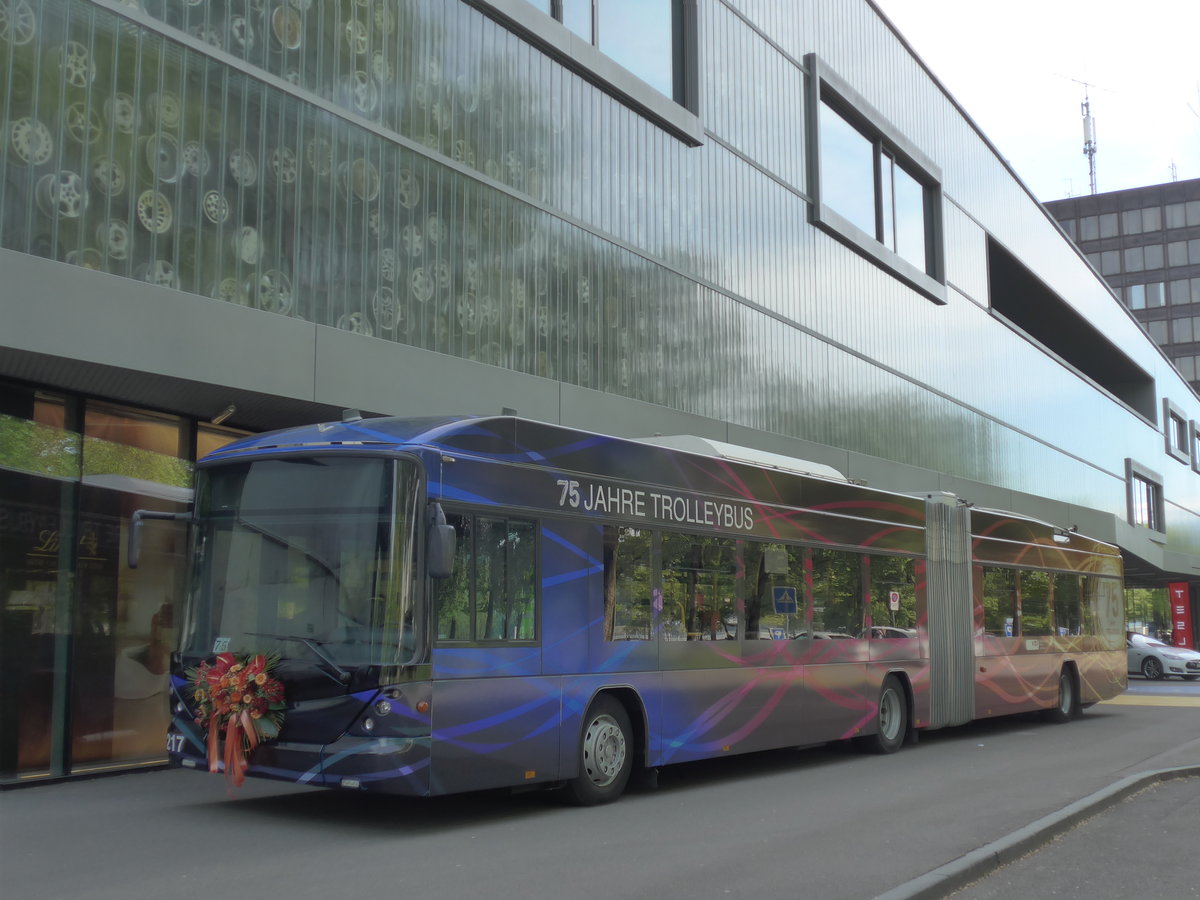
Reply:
x=310, y=558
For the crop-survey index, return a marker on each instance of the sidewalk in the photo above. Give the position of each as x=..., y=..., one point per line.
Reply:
x=1136, y=838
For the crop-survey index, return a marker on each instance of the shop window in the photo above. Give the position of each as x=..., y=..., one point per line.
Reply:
x=871, y=188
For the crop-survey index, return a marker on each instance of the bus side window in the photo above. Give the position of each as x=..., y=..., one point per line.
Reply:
x=893, y=597
x=452, y=598
x=504, y=580
x=837, y=593
x=628, y=597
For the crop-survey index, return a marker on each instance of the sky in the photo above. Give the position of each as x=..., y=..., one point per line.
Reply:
x=1016, y=68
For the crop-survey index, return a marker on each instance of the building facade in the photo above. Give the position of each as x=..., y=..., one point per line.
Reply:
x=1146, y=243
x=761, y=223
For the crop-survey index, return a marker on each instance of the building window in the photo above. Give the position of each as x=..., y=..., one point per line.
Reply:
x=1185, y=290
x=1157, y=331
x=640, y=35
x=1145, y=497
x=1176, y=432
x=871, y=188
x=1186, y=366
x=1194, y=436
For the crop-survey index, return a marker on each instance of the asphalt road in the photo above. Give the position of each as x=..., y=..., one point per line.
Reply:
x=819, y=823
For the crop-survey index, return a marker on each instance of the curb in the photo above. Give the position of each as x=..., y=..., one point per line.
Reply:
x=970, y=867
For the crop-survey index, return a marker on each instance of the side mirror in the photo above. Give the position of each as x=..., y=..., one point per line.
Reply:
x=440, y=542
x=134, y=550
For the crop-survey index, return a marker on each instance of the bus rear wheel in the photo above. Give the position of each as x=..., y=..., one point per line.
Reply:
x=605, y=755
x=891, y=720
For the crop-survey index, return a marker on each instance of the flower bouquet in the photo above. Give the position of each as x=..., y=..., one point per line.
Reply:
x=241, y=698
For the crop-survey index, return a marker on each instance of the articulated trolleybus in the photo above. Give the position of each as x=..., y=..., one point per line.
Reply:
x=480, y=602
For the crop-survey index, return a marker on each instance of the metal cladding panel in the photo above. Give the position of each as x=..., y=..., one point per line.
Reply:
x=951, y=612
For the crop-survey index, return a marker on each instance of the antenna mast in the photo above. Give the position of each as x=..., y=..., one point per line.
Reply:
x=1089, y=135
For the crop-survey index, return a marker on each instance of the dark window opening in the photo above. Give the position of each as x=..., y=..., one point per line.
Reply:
x=1022, y=299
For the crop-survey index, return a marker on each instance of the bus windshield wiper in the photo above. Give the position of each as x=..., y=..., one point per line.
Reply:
x=343, y=676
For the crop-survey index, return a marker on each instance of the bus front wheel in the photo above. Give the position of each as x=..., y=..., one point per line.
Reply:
x=1067, y=707
x=891, y=720
x=605, y=755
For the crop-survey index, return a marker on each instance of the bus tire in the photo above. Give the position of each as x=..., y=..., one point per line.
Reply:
x=605, y=755
x=891, y=719
x=1067, y=707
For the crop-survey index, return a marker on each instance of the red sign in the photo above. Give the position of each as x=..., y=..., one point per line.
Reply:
x=1181, y=614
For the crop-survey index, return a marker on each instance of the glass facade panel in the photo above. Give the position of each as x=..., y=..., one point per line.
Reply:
x=1110, y=262
x=1158, y=331
x=1153, y=256
x=1089, y=228
x=1131, y=221
x=1108, y=225
x=1152, y=218
x=1155, y=296
x=1177, y=253
x=1135, y=259
x=1176, y=215
x=1136, y=296
x=1181, y=330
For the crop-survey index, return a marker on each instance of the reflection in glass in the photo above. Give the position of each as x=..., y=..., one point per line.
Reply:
x=628, y=596
x=837, y=593
x=893, y=597
x=847, y=170
x=909, y=201
x=775, y=603
x=577, y=16
x=698, y=575
x=639, y=35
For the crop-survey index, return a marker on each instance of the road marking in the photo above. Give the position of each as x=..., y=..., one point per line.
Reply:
x=1153, y=700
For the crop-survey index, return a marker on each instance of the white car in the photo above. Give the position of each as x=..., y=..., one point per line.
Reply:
x=1154, y=659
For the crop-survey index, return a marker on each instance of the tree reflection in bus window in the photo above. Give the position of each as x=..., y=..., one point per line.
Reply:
x=698, y=587
x=837, y=593
x=774, y=581
x=491, y=594
x=452, y=596
x=628, y=593
x=1036, y=591
x=1068, y=596
x=893, y=597
x=504, y=586
x=999, y=601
